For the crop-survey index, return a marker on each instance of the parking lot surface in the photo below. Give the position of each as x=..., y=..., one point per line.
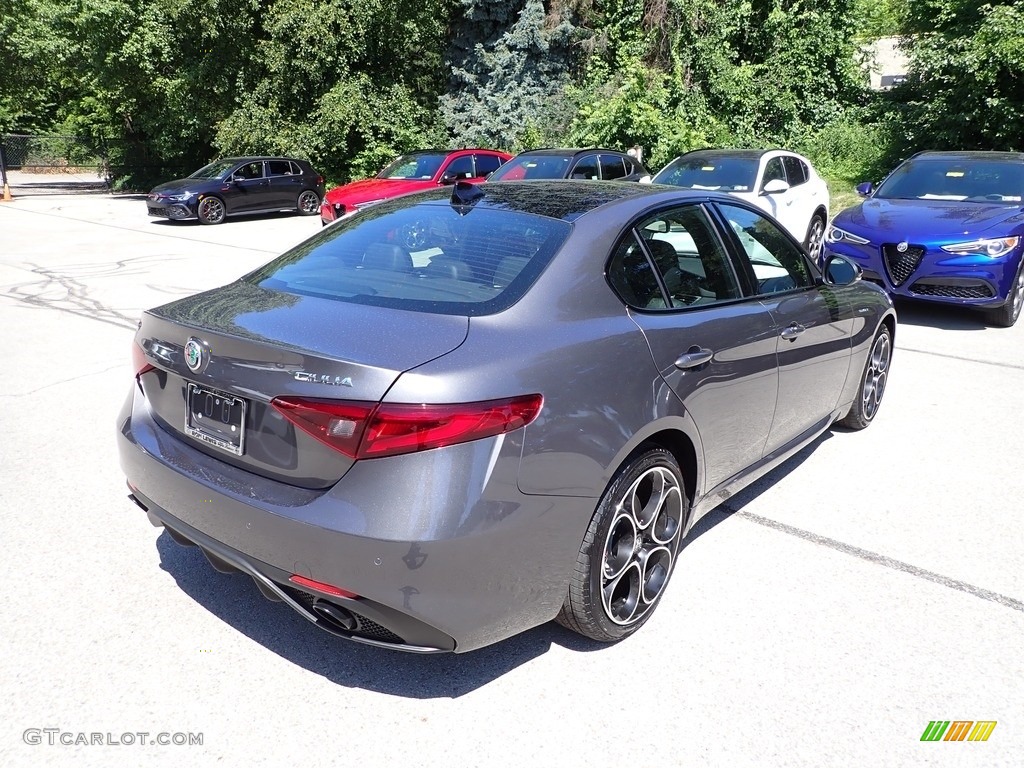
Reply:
x=823, y=617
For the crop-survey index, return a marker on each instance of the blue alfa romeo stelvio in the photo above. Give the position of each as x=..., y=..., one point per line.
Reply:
x=945, y=227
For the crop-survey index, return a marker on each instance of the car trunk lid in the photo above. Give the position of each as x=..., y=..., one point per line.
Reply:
x=249, y=345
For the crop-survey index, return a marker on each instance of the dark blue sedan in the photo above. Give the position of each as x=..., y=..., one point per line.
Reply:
x=945, y=227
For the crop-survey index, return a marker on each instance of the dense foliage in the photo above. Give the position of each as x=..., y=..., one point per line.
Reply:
x=966, y=85
x=166, y=85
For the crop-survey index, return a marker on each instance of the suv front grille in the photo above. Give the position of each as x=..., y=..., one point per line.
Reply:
x=901, y=266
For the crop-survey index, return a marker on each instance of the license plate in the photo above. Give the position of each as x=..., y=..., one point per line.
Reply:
x=216, y=418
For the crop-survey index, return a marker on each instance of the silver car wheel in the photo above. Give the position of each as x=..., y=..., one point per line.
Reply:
x=640, y=545
x=815, y=237
x=875, y=375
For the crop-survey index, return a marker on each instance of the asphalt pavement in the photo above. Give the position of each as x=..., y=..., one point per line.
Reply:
x=823, y=617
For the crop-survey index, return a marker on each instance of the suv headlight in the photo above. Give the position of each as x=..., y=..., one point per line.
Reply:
x=993, y=247
x=837, y=235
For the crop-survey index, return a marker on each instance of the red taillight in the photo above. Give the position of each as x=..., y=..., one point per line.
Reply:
x=366, y=430
x=336, y=423
x=400, y=428
x=139, y=362
x=302, y=581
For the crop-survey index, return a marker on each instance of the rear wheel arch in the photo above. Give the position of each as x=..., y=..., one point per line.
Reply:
x=679, y=445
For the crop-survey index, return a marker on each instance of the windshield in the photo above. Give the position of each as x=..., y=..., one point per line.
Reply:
x=533, y=167
x=214, y=170
x=422, y=165
x=728, y=174
x=421, y=256
x=959, y=179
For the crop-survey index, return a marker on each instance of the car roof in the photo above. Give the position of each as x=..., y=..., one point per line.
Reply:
x=468, y=150
x=979, y=155
x=564, y=199
x=570, y=151
x=751, y=154
x=255, y=158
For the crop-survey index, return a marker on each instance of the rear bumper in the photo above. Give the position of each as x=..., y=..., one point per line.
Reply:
x=372, y=623
x=443, y=550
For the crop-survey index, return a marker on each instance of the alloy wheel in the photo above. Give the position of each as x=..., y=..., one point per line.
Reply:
x=815, y=238
x=309, y=202
x=640, y=548
x=875, y=375
x=211, y=210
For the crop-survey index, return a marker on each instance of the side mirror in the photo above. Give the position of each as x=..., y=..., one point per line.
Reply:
x=237, y=177
x=774, y=187
x=449, y=178
x=839, y=270
x=865, y=188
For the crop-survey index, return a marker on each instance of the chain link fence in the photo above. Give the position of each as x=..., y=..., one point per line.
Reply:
x=36, y=164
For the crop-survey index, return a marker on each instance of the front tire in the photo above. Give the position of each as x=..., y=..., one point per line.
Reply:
x=308, y=202
x=815, y=237
x=211, y=210
x=1006, y=315
x=872, y=382
x=629, y=551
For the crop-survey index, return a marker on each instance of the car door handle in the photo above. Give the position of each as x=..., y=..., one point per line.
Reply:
x=694, y=358
x=791, y=331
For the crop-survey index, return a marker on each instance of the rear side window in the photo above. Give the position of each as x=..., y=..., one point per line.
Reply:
x=278, y=168
x=673, y=260
x=487, y=164
x=424, y=257
x=612, y=167
x=795, y=170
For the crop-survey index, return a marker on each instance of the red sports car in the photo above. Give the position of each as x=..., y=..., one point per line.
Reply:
x=412, y=173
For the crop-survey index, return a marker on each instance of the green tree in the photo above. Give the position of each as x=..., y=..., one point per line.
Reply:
x=509, y=62
x=966, y=81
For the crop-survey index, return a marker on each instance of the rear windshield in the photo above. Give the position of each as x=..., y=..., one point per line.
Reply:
x=941, y=179
x=421, y=256
x=727, y=174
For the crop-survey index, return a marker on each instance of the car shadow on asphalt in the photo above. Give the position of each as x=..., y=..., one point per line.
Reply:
x=239, y=219
x=234, y=599
x=939, y=316
x=736, y=503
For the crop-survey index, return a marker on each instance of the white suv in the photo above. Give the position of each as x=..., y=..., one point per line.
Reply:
x=781, y=183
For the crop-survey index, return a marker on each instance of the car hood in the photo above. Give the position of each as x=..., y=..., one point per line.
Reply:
x=914, y=219
x=182, y=185
x=376, y=189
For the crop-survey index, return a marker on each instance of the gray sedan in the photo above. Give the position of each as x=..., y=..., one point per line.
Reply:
x=435, y=449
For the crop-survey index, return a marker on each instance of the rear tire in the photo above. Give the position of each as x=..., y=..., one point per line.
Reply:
x=211, y=210
x=629, y=551
x=308, y=202
x=872, y=382
x=1006, y=315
